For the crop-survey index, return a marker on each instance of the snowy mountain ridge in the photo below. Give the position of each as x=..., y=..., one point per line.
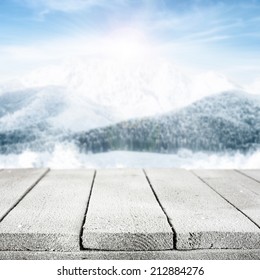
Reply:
x=99, y=92
x=229, y=121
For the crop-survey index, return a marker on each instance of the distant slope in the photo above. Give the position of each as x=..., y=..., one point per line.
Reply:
x=34, y=118
x=102, y=92
x=44, y=107
x=53, y=106
x=226, y=121
x=29, y=120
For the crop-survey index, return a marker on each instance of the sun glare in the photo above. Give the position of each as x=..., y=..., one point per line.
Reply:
x=126, y=44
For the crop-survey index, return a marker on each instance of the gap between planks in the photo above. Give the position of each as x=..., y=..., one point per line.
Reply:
x=168, y=219
x=246, y=175
x=86, y=212
x=24, y=195
x=239, y=210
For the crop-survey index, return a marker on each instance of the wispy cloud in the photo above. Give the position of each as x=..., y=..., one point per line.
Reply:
x=69, y=5
x=203, y=34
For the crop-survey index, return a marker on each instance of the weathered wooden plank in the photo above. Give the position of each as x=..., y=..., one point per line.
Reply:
x=253, y=173
x=207, y=254
x=14, y=184
x=200, y=217
x=50, y=217
x=124, y=214
x=238, y=189
x=231, y=175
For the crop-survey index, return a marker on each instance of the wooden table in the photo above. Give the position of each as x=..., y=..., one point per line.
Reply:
x=129, y=214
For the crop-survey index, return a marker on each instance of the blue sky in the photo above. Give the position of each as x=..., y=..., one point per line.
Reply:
x=222, y=36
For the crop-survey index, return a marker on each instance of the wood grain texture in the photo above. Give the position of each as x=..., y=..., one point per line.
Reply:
x=14, y=184
x=124, y=215
x=238, y=189
x=207, y=254
x=50, y=217
x=200, y=217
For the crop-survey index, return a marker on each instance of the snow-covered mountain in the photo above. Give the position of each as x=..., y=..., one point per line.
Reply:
x=47, y=106
x=229, y=121
x=254, y=87
x=96, y=92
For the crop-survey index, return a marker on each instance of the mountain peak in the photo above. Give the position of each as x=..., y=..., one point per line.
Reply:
x=98, y=92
